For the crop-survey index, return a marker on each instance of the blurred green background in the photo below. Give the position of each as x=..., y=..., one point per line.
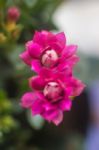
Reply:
x=18, y=129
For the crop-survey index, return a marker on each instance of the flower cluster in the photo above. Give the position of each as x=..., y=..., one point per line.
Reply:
x=55, y=85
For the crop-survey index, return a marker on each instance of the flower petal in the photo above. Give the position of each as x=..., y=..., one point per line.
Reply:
x=34, y=50
x=27, y=99
x=36, y=83
x=57, y=47
x=78, y=86
x=65, y=104
x=36, y=65
x=37, y=107
x=41, y=38
x=69, y=51
x=57, y=118
x=46, y=73
x=54, y=115
x=48, y=106
x=61, y=39
x=37, y=37
x=58, y=42
x=26, y=57
x=63, y=66
x=73, y=60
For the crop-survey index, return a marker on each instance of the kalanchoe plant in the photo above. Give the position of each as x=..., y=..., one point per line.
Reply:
x=50, y=51
x=55, y=85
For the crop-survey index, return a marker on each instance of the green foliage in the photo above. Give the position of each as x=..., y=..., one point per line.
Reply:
x=7, y=122
x=5, y=104
x=2, y=3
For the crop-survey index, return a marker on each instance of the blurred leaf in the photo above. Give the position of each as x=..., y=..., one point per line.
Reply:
x=2, y=94
x=30, y=3
x=9, y=2
x=2, y=3
x=5, y=104
x=6, y=123
x=36, y=122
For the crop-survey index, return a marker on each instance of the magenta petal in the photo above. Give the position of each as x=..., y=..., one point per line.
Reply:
x=51, y=75
x=58, y=42
x=37, y=37
x=37, y=107
x=36, y=65
x=69, y=51
x=28, y=43
x=36, y=83
x=62, y=77
x=72, y=60
x=61, y=39
x=56, y=46
x=41, y=38
x=46, y=73
x=57, y=118
x=75, y=58
x=78, y=87
x=45, y=32
x=65, y=104
x=27, y=100
x=68, y=90
x=34, y=50
x=63, y=66
x=48, y=106
x=26, y=57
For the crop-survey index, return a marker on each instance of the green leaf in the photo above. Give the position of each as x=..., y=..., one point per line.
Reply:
x=2, y=94
x=30, y=3
x=37, y=122
x=2, y=3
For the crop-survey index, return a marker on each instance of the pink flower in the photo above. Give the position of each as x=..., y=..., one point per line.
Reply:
x=49, y=51
x=52, y=94
x=54, y=86
x=13, y=14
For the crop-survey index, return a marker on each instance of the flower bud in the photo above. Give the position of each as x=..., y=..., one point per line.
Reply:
x=53, y=91
x=49, y=58
x=13, y=14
